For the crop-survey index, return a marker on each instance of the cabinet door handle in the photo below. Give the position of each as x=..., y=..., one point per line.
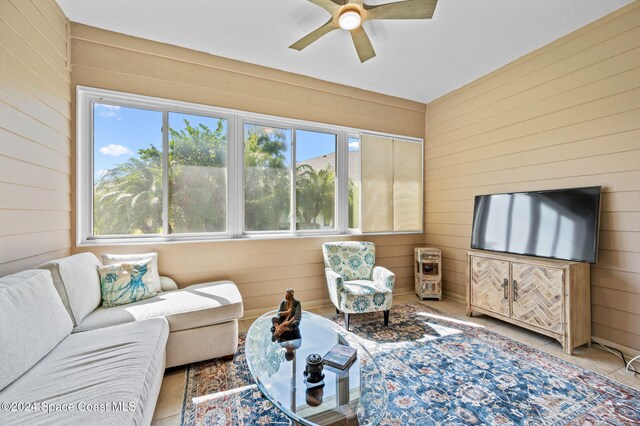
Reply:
x=504, y=286
x=515, y=290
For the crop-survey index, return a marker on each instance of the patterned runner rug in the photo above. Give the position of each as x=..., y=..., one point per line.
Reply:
x=439, y=370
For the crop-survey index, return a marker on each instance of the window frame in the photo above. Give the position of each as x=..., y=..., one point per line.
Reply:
x=359, y=137
x=86, y=97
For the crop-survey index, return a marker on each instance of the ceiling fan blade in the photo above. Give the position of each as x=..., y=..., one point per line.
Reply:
x=346, y=2
x=363, y=44
x=408, y=9
x=327, y=5
x=314, y=35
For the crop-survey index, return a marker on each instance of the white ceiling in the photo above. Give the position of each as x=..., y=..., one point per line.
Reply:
x=419, y=60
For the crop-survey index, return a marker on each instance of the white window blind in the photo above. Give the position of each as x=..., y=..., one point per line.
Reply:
x=391, y=184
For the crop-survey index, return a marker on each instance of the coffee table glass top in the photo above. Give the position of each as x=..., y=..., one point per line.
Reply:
x=359, y=393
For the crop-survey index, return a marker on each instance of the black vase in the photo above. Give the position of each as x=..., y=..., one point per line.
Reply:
x=314, y=396
x=313, y=371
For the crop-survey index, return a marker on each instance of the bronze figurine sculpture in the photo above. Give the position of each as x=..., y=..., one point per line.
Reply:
x=288, y=317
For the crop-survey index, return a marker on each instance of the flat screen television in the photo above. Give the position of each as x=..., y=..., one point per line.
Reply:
x=560, y=223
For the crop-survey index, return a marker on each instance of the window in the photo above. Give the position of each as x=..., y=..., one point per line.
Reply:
x=127, y=170
x=165, y=170
x=267, y=178
x=315, y=180
x=197, y=172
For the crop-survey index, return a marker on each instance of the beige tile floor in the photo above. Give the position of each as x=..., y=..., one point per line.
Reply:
x=594, y=358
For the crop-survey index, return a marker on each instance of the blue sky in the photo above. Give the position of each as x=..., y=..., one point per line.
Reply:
x=119, y=132
x=314, y=144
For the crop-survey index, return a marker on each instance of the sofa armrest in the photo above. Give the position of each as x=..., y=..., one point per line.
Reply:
x=384, y=278
x=167, y=284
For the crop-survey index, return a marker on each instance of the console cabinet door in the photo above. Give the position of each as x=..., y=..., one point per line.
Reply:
x=489, y=284
x=537, y=295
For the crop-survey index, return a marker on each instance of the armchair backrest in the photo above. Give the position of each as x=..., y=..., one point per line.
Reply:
x=353, y=260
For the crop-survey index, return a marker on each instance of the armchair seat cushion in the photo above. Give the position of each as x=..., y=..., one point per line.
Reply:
x=364, y=296
x=359, y=287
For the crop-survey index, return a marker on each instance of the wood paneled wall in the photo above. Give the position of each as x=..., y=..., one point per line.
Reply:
x=565, y=115
x=116, y=61
x=35, y=111
x=261, y=268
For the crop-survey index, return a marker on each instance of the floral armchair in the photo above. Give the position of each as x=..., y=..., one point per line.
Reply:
x=355, y=284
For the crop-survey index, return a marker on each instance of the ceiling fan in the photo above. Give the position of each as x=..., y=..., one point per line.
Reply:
x=351, y=14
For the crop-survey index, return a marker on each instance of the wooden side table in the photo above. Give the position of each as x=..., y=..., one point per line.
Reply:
x=428, y=272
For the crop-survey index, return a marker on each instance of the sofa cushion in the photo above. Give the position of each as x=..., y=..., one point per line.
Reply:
x=76, y=279
x=33, y=321
x=111, y=259
x=196, y=306
x=114, y=365
x=168, y=284
x=124, y=283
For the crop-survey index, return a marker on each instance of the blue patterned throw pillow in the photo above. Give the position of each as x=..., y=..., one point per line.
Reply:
x=125, y=283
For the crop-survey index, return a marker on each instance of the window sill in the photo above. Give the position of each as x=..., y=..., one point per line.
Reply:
x=142, y=240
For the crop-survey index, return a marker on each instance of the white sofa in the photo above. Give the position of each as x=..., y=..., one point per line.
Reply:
x=49, y=376
x=65, y=360
x=203, y=318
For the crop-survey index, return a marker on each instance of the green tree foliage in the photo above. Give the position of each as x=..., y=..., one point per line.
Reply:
x=315, y=197
x=128, y=198
x=197, y=178
x=267, y=182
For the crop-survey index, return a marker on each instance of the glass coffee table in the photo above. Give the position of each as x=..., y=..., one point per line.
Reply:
x=355, y=396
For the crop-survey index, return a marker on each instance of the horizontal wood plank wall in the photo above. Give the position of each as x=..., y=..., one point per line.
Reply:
x=35, y=114
x=264, y=269
x=261, y=268
x=563, y=116
x=116, y=61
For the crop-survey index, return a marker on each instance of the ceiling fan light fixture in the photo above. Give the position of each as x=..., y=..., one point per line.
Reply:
x=350, y=14
x=349, y=20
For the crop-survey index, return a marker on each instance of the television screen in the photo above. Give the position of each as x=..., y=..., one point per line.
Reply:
x=561, y=224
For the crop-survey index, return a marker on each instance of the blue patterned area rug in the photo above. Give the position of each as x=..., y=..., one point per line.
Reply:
x=439, y=370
